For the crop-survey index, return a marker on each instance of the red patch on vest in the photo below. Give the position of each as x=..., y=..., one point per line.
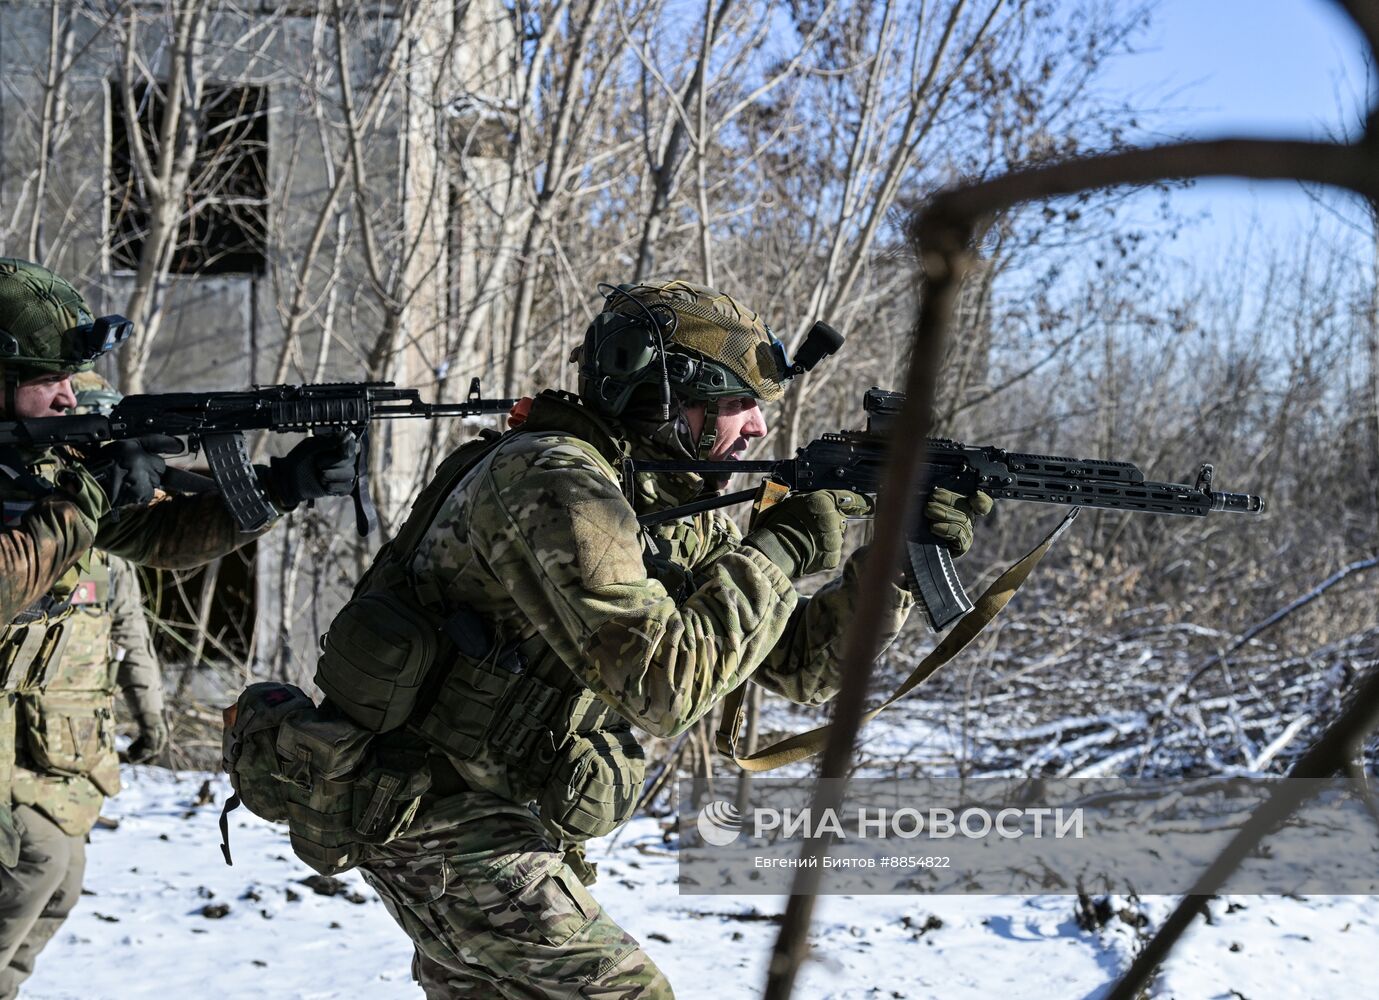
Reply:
x=84, y=593
x=277, y=696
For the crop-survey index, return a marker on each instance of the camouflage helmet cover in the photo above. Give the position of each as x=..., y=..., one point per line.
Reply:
x=716, y=328
x=41, y=316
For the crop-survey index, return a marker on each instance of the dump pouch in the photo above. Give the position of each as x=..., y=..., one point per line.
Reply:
x=249, y=745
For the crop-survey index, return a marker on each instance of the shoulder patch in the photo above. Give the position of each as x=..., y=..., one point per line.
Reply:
x=606, y=542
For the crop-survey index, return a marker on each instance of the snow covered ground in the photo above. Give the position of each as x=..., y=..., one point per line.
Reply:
x=153, y=925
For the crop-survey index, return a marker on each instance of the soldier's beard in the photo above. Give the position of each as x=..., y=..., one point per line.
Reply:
x=655, y=438
x=673, y=439
x=733, y=453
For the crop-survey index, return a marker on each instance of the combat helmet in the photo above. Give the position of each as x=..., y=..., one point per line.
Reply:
x=46, y=326
x=685, y=339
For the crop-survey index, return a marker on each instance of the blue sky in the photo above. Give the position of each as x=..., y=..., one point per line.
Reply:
x=1205, y=68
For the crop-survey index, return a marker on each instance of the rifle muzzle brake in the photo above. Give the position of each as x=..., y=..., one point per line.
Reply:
x=1237, y=503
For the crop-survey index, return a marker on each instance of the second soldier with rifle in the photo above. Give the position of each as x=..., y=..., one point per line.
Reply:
x=487, y=680
x=64, y=512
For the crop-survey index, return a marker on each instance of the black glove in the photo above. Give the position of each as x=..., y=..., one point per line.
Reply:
x=151, y=741
x=129, y=471
x=320, y=466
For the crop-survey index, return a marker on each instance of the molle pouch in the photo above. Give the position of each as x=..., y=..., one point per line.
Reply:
x=375, y=657
x=322, y=755
x=386, y=796
x=49, y=656
x=595, y=784
x=249, y=746
x=69, y=733
x=472, y=695
x=105, y=774
x=83, y=655
x=347, y=791
x=19, y=647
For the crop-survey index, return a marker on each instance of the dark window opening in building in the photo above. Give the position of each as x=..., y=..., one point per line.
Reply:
x=224, y=215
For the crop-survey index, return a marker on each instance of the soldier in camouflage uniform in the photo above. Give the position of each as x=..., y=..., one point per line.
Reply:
x=60, y=515
x=598, y=625
x=108, y=647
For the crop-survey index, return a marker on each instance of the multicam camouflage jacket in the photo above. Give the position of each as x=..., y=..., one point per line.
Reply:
x=43, y=543
x=541, y=539
x=44, y=535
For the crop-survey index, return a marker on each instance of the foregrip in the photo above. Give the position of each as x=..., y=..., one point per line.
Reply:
x=930, y=576
x=239, y=483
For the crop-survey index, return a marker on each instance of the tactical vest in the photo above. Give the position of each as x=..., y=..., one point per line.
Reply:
x=58, y=712
x=399, y=656
x=413, y=683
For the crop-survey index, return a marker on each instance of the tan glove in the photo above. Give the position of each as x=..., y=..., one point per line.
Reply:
x=803, y=533
x=950, y=517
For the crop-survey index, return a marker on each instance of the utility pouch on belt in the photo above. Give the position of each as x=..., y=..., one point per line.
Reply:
x=594, y=786
x=337, y=785
x=344, y=795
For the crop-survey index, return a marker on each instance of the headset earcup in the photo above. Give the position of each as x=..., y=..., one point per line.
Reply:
x=619, y=353
x=625, y=348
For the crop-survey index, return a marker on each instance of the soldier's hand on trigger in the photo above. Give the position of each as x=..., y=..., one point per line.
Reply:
x=130, y=471
x=320, y=466
x=950, y=517
x=803, y=533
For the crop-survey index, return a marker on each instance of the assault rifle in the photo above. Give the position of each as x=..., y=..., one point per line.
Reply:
x=856, y=460
x=215, y=422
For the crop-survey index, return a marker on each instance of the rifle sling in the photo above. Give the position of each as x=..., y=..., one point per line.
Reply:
x=803, y=745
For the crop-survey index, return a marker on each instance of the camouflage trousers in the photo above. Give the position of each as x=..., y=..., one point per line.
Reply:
x=494, y=911
x=37, y=895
